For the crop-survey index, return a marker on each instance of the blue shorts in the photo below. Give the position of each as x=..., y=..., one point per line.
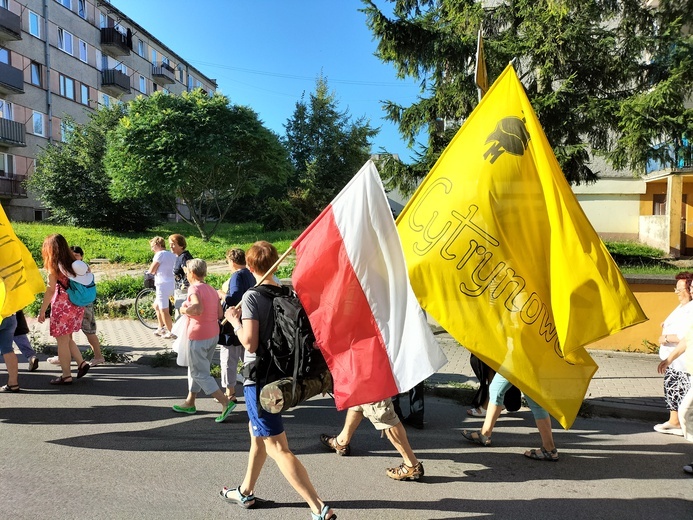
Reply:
x=267, y=425
x=7, y=334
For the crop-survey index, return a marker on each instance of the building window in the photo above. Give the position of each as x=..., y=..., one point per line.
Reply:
x=180, y=73
x=140, y=48
x=5, y=109
x=67, y=86
x=190, y=82
x=105, y=100
x=34, y=24
x=66, y=3
x=143, y=85
x=154, y=57
x=35, y=74
x=5, y=4
x=121, y=67
x=66, y=129
x=99, y=60
x=84, y=94
x=659, y=204
x=4, y=55
x=38, y=124
x=83, y=50
x=82, y=8
x=103, y=20
x=6, y=165
x=64, y=40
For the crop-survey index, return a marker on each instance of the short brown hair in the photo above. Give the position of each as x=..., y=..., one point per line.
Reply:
x=261, y=257
x=237, y=256
x=178, y=239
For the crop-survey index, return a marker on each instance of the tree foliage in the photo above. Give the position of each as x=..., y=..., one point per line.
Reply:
x=195, y=148
x=70, y=179
x=326, y=147
x=608, y=77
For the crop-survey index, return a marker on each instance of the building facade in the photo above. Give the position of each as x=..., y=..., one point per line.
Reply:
x=63, y=58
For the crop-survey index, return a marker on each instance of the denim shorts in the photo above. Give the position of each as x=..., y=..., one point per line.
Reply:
x=266, y=425
x=7, y=334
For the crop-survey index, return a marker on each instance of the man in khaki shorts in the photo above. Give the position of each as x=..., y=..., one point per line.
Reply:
x=382, y=415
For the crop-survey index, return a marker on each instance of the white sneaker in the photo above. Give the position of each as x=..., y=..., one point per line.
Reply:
x=168, y=335
x=160, y=332
x=55, y=360
x=669, y=428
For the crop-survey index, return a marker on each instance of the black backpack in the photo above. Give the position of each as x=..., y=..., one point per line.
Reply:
x=290, y=350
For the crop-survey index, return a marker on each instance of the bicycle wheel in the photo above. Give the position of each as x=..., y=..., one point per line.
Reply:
x=144, y=308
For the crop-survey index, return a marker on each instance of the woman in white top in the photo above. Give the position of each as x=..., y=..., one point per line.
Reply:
x=674, y=329
x=164, y=281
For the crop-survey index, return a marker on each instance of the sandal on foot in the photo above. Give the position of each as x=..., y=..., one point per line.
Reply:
x=9, y=388
x=543, y=454
x=476, y=436
x=330, y=441
x=61, y=380
x=236, y=497
x=323, y=514
x=83, y=369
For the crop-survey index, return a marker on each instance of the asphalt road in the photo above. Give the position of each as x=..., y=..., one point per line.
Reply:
x=110, y=447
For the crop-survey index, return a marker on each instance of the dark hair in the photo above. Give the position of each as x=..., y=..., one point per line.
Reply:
x=78, y=250
x=688, y=277
x=57, y=255
x=237, y=256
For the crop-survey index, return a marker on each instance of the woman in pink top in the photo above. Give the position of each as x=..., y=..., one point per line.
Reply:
x=203, y=311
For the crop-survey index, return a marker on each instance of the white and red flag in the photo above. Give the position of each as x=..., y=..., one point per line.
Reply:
x=352, y=280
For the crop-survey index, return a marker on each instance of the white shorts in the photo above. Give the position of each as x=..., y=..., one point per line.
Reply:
x=163, y=294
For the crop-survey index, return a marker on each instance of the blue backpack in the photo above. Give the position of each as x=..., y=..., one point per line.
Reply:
x=80, y=294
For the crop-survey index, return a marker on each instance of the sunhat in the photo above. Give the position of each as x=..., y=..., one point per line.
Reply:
x=82, y=273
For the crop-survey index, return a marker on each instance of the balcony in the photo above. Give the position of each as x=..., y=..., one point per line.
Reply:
x=12, y=133
x=163, y=74
x=11, y=80
x=10, y=25
x=115, y=82
x=115, y=43
x=12, y=187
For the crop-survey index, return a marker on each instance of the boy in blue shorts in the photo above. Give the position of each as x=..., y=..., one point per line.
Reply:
x=253, y=326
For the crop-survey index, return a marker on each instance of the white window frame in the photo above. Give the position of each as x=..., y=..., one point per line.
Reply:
x=65, y=129
x=99, y=60
x=38, y=123
x=83, y=50
x=65, y=41
x=67, y=86
x=5, y=4
x=82, y=9
x=154, y=56
x=84, y=94
x=65, y=3
x=143, y=85
x=6, y=52
x=103, y=20
x=34, y=20
x=7, y=165
x=140, y=48
x=6, y=111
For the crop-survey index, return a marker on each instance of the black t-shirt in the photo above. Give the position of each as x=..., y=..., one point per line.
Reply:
x=178, y=272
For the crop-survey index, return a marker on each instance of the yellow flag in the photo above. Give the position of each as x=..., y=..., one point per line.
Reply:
x=500, y=253
x=18, y=272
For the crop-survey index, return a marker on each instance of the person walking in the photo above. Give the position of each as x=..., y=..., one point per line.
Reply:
x=253, y=326
x=21, y=339
x=66, y=318
x=384, y=418
x=231, y=349
x=203, y=311
x=499, y=386
x=7, y=328
x=677, y=382
x=164, y=282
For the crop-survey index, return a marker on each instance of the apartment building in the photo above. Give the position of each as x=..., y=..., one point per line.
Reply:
x=69, y=57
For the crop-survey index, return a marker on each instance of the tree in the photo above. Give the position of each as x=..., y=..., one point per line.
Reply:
x=70, y=179
x=326, y=149
x=195, y=148
x=607, y=77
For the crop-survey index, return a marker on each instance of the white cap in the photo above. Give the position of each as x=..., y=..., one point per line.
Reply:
x=82, y=273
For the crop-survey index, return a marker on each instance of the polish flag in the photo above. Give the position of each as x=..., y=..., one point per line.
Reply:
x=352, y=280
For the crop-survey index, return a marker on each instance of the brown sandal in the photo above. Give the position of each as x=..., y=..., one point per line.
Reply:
x=330, y=441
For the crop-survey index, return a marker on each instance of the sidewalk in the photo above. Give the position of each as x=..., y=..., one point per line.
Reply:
x=626, y=385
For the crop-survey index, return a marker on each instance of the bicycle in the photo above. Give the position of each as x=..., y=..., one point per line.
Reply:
x=144, y=304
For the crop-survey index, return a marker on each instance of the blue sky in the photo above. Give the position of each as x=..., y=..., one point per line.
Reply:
x=266, y=53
